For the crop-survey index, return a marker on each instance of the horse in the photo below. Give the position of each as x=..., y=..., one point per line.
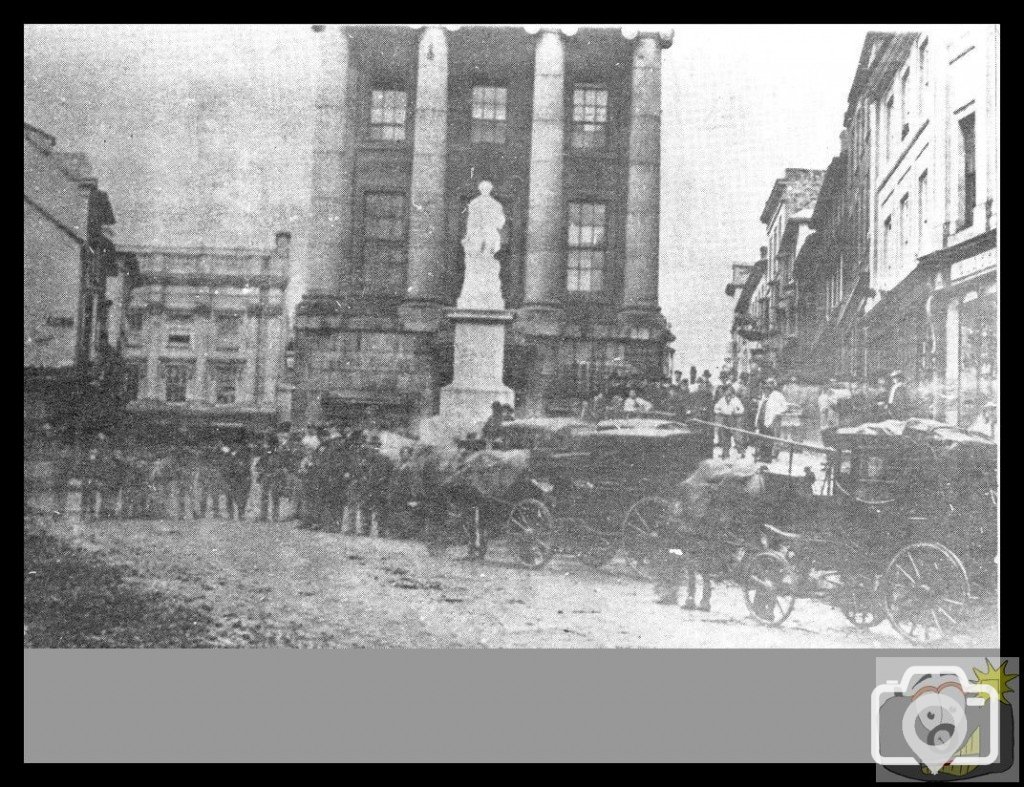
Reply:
x=718, y=516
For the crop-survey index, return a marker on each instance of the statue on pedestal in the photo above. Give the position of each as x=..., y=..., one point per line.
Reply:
x=481, y=288
x=484, y=223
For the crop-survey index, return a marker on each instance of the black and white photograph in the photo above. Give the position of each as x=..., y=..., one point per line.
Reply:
x=481, y=336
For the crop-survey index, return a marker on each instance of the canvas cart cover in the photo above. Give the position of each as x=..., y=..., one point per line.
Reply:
x=921, y=429
x=491, y=473
x=721, y=486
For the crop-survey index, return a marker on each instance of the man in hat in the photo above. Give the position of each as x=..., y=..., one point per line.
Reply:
x=828, y=406
x=492, y=431
x=897, y=403
x=769, y=417
x=728, y=412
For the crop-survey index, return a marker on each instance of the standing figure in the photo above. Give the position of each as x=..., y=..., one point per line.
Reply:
x=728, y=412
x=238, y=475
x=99, y=495
x=769, y=417
x=492, y=431
x=897, y=403
x=65, y=463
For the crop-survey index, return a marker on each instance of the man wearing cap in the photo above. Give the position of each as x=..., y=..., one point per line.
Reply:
x=769, y=417
x=898, y=400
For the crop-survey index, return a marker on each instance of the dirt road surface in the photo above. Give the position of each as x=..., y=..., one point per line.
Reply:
x=314, y=589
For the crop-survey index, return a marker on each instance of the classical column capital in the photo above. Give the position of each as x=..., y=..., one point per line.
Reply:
x=564, y=31
x=663, y=36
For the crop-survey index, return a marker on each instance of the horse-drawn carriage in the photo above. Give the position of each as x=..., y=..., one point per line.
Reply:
x=902, y=526
x=560, y=485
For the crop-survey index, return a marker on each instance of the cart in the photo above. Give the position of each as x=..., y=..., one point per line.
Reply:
x=900, y=526
x=562, y=486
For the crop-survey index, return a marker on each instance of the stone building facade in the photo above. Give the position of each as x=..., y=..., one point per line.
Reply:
x=205, y=335
x=901, y=269
x=75, y=287
x=409, y=121
x=773, y=304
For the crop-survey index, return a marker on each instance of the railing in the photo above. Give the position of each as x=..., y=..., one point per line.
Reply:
x=791, y=444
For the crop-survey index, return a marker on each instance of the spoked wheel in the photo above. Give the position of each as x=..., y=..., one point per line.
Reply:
x=531, y=533
x=768, y=587
x=644, y=520
x=598, y=547
x=925, y=592
x=857, y=599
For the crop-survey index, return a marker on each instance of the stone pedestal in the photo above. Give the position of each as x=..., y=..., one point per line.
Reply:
x=480, y=321
x=478, y=365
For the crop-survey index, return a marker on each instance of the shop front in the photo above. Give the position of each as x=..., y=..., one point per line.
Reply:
x=966, y=320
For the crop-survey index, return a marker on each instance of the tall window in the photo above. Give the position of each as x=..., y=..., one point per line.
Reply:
x=889, y=120
x=587, y=244
x=589, y=116
x=968, y=182
x=905, y=104
x=384, y=244
x=225, y=383
x=490, y=114
x=922, y=209
x=175, y=382
x=904, y=230
x=229, y=331
x=387, y=115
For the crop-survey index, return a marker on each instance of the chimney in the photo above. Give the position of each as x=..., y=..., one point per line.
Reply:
x=283, y=241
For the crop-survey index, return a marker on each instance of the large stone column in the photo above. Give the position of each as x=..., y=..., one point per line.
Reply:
x=427, y=224
x=545, y=265
x=640, y=296
x=331, y=211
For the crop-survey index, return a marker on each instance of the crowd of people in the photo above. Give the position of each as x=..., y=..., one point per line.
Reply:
x=759, y=405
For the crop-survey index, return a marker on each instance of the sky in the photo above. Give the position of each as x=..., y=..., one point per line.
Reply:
x=740, y=104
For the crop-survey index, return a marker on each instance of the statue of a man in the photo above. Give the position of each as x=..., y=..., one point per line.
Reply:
x=484, y=222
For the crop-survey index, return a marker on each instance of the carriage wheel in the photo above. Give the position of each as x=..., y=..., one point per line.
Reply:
x=644, y=520
x=925, y=592
x=858, y=601
x=531, y=533
x=768, y=587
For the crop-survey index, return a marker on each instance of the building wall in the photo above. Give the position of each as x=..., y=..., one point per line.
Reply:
x=916, y=237
x=560, y=341
x=55, y=226
x=219, y=315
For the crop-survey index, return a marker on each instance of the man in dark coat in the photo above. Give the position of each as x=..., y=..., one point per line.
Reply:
x=898, y=399
x=99, y=479
x=236, y=468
